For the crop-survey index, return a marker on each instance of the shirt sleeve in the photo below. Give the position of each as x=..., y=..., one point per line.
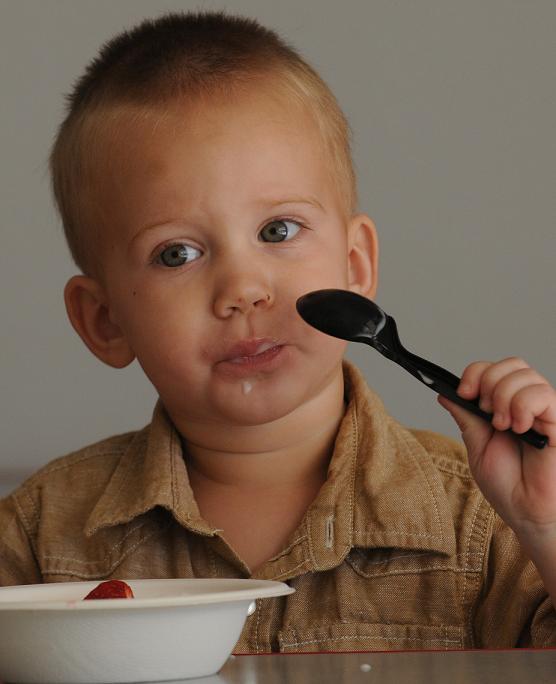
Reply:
x=514, y=608
x=18, y=564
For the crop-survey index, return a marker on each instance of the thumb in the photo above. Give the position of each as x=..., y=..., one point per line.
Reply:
x=475, y=431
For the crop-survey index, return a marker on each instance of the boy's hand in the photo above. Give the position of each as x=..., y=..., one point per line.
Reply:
x=518, y=480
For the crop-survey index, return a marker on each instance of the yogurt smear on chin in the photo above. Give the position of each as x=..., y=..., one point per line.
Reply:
x=246, y=386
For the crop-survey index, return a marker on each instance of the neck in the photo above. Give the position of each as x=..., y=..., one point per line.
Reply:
x=291, y=452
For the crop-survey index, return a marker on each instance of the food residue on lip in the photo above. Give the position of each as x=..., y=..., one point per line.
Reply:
x=110, y=589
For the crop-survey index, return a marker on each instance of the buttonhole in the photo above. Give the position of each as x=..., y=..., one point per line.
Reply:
x=329, y=532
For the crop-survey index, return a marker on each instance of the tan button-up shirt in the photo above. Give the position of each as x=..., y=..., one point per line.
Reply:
x=399, y=550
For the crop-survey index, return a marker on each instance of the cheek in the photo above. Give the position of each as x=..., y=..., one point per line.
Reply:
x=332, y=254
x=326, y=268
x=324, y=264
x=326, y=346
x=156, y=323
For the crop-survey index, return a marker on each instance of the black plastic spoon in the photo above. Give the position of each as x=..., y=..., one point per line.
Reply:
x=351, y=317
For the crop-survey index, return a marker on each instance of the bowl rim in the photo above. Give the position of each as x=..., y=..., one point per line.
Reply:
x=245, y=590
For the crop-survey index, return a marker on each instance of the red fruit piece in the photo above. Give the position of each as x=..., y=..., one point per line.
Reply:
x=109, y=590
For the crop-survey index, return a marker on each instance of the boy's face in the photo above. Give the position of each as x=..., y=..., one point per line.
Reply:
x=220, y=218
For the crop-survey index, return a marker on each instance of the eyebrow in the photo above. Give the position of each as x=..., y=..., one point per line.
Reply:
x=293, y=200
x=270, y=203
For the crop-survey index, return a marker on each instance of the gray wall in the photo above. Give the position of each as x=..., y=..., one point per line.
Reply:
x=453, y=110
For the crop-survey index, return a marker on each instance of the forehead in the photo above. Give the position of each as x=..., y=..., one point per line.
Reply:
x=256, y=144
x=259, y=140
x=204, y=126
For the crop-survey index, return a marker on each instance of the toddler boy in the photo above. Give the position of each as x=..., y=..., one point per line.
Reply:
x=204, y=179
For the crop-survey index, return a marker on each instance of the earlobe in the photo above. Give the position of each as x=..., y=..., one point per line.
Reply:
x=89, y=314
x=363, y=256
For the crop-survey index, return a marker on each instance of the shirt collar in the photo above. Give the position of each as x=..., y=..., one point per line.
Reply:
x=151, y=472
x=382, y=490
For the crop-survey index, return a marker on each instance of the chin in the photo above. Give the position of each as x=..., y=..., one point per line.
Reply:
x=253, y=412
x=256, y=401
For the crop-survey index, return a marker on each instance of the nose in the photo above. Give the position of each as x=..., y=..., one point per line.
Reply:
x=242, y=291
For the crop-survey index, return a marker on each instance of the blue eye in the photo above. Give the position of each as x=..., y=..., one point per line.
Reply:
x=279, y=230
x=178, y=255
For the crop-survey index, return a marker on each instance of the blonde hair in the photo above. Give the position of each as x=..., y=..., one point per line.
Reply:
x=179, y=57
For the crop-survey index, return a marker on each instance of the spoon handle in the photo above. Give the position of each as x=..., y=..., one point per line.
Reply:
x=445, y=383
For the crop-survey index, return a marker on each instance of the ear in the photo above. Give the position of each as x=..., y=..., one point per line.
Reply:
x=89, y=313
x=362, y=256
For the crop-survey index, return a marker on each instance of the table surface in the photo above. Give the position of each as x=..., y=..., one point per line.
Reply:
x=453, y=667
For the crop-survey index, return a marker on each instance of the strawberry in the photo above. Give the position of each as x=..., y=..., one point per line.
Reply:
x=109, y=590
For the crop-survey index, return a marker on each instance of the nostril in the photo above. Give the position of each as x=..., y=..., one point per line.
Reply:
x=228, y=302
x=264, y=300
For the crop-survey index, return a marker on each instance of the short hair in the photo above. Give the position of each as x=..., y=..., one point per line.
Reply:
x=179, y=56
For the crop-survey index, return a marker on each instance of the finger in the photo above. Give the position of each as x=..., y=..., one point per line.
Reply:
x=502, y=394
x=531, y=405
x=471, y=379
x=492, y=375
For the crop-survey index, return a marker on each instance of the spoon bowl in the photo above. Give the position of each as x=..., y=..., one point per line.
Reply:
x=341, y=313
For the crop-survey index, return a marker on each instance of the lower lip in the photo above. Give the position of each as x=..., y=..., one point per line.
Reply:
x=245, y=365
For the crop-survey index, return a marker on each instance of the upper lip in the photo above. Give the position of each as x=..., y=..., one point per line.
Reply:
x=249, y=347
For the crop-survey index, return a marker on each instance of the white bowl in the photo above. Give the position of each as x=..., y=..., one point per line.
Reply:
x=172, y=629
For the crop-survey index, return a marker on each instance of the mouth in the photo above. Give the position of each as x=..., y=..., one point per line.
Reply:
x=252, y=355
x=249, y=349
